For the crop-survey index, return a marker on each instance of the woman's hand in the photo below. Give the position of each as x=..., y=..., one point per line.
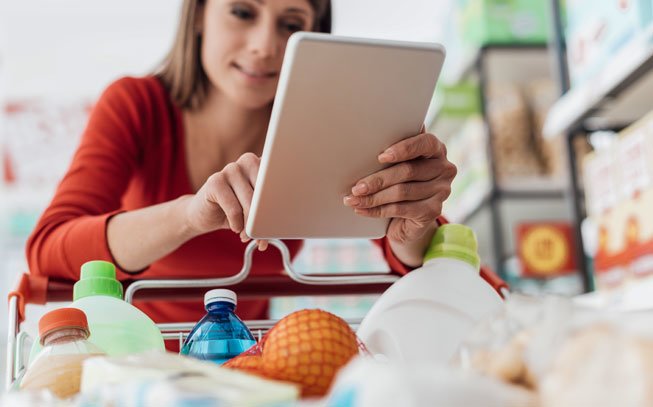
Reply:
x=224, y=201
x=411, y=191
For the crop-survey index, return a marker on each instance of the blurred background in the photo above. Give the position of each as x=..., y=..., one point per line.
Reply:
x=543, y=106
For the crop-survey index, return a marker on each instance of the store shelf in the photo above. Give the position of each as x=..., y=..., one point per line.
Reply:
x=514, y=62
x=617, y=96
x=532, y=187
x=528, y=188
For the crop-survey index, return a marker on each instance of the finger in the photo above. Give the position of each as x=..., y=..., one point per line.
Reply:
x=241, y=186
x=262, y=245
x=416, y=170
x=250, y=164
x=423, y=145
x=224, y=196
x=424, y=211
x=407, y=191
x=244, y=238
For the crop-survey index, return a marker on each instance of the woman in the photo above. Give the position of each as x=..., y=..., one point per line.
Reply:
x=162, y=181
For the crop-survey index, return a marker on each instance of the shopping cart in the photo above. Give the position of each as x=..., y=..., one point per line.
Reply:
x=41, y=290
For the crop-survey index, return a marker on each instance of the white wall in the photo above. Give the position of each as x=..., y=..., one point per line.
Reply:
x=70, y=48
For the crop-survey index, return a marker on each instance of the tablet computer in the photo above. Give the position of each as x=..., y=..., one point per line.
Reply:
x=340, y=102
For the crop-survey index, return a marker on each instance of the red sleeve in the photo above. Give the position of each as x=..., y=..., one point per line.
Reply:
x=72, y=230
x=396, y=266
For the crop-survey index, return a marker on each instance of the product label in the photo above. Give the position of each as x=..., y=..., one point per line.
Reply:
x=545, y=249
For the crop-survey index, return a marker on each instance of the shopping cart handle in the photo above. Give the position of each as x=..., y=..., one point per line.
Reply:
x=265, y=287
x=254, y=287
x=495, y=281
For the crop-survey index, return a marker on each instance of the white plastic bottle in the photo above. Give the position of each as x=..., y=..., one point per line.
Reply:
x=118, y=328
x=426, y=314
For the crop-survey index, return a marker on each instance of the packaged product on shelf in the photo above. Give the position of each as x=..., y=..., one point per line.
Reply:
x=569, y=355
x=597, y=34
x=467, y=149
x=541, y=95
x=490, y=21
x=636, y=164
x=510, y=124
x=619, y=194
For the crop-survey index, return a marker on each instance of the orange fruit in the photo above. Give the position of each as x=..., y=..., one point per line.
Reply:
x=247, y=363
x=308, y=347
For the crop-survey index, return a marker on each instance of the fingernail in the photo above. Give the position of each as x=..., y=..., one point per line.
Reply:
x=387, y=156
x=360, y=189
x=351, y=201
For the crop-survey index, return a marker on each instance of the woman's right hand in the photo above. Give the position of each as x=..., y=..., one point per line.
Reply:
x=224, y=201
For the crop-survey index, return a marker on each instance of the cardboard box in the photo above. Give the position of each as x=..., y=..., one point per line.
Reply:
x=623, y=213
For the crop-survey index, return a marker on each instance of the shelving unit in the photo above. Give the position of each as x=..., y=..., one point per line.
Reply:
x=616, y=97
x=494, y=211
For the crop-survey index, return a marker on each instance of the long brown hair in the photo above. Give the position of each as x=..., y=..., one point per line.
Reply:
x=181, y=71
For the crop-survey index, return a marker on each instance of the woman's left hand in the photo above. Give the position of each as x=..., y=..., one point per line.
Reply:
x=411, y=191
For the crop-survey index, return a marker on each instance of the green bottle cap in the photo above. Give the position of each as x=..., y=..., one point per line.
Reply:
x=97, y=278
x=454, y=241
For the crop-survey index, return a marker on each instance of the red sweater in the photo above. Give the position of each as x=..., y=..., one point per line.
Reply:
x=132, y=155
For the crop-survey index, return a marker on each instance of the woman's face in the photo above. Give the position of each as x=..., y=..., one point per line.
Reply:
x=243, y=43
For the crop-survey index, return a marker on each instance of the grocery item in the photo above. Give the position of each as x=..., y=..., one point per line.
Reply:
x=597, y=357
x=510, y=125
x=366, y=382
x=541, y=95
x=490, y=21
x=618, y=180
x=118, y=328
x=220, y=335
x=307, y=347
x=427, y=313
x=64, y=333
x=568, y=354
x=166, y=379
x=600, y=35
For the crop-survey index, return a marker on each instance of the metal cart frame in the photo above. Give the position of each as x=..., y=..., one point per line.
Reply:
x=40, y=290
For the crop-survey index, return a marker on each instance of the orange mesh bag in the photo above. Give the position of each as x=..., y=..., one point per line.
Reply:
x=307, y=348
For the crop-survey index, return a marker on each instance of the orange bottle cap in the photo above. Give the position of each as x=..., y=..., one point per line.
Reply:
x=63, y=318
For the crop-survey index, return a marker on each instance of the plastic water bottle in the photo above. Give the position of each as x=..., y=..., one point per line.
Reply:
x=64, y=335
x=220, y=335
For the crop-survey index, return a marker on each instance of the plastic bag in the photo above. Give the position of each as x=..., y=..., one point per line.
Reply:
x=570, y=355
x=366, y=382
x=167, y=379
